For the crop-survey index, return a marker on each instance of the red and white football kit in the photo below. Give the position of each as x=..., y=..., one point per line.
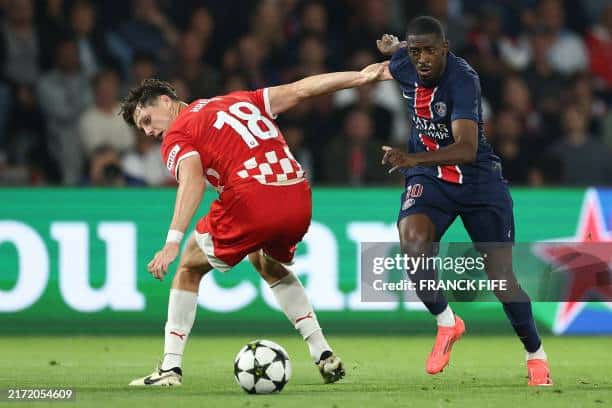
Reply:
x=264, y=200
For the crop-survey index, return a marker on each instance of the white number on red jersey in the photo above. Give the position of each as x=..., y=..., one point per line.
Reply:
x=253, y=118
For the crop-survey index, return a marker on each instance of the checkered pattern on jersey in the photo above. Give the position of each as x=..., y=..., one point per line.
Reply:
x=278, y=167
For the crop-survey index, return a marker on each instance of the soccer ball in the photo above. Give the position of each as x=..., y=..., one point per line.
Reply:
x=262, y=367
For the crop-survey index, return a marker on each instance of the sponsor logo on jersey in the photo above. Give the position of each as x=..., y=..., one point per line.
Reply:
x=434, y=130
x=440, y=108
x=172, y=156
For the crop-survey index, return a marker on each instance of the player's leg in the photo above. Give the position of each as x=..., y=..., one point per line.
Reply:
x=417, y=233
x=489, y=221
x=517, y=307
x=182, y=305
x=292, y=298
x=421, y=223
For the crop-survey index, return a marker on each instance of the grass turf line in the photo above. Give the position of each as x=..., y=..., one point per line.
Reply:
x=381, y=371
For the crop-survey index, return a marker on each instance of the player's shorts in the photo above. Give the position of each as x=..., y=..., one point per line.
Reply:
x=484, y=208
x=251, y=217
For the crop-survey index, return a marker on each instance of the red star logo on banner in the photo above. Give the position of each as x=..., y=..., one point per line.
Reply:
x=586, y=258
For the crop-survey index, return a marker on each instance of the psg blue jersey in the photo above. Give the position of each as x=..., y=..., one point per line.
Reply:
x=432, y=109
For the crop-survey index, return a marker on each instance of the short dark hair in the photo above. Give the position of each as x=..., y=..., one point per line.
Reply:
x=145, y=94
x=423, y=25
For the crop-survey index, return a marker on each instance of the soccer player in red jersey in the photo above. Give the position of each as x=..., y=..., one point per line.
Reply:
x=264, y=206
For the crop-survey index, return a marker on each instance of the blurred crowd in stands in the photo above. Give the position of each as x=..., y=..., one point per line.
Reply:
x=545, y=68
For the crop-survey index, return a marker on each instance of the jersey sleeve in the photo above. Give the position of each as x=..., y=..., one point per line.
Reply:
x=261, y=99
x=176, y=147
x=399, y=66
x=466, y=97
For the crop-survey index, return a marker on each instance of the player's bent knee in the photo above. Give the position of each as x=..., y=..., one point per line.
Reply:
x=415, y=244
x=416, y=235
x=188, y=277
x=269, y=269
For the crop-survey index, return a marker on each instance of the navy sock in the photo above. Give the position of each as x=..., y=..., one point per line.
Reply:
x=521, y=318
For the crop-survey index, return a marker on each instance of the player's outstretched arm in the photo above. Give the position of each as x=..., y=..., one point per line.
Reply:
x=285, y=97
x=188, y=198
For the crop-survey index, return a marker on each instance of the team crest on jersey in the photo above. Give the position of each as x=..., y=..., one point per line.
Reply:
x=172, y=156
x=440, y=108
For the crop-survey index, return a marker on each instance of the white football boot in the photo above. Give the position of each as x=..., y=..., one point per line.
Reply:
x=160, y=378
x=330, y=367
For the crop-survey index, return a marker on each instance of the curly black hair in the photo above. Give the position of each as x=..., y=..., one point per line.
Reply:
x=144, y=94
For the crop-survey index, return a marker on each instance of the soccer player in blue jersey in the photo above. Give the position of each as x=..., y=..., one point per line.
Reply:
x=451, y=170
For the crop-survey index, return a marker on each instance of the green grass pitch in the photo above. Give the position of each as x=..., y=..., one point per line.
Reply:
x=485, y=371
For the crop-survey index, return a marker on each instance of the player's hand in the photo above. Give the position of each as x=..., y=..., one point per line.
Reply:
x=158, y=267
x=397, y=158
x=388, y=44
x=376, y=72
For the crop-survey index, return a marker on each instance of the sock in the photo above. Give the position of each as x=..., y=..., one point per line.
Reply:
x=181, y=315
x=539, y=354
x=521, y=318
x=446, y=318
x=291, y=297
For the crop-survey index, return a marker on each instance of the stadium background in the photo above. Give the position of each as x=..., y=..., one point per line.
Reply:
x=84, y=198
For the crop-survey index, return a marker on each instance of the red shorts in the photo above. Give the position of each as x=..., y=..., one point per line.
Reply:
x=253, y=216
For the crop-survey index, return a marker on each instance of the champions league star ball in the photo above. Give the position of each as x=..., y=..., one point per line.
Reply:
x=262, y=367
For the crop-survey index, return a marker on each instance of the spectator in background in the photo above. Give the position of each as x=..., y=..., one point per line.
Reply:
x=372, y=20
x=583, y=160
x=143, y=67
x=52, y=27
x=544, y=82
x=512, y=147
x=456, y=30
x=20, y=48
x=105, y=170
x=27, y=147
x=516, y=97
x=267, y=27
x=201, y=79
x=101, y=123
x=314, y=21
x=599, y=42
x=568, y=54
x=312, y=57
x=91, y=41
x=294, y=136
x=593, y=107
x=250, y=60
x=202, y=26
x=486, y=48
x=234, y=82
x=385, y=95
x=354, y=157
x=182, y=90
x=64, y=94
x=149, y=30
x=382, y=118
x=143, y=163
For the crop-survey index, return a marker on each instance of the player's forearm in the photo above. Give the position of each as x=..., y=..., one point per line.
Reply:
x=188, y=198
x=457, y=153
x=327, y=83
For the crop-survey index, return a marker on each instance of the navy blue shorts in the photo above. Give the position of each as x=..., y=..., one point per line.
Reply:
x=484, y=208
